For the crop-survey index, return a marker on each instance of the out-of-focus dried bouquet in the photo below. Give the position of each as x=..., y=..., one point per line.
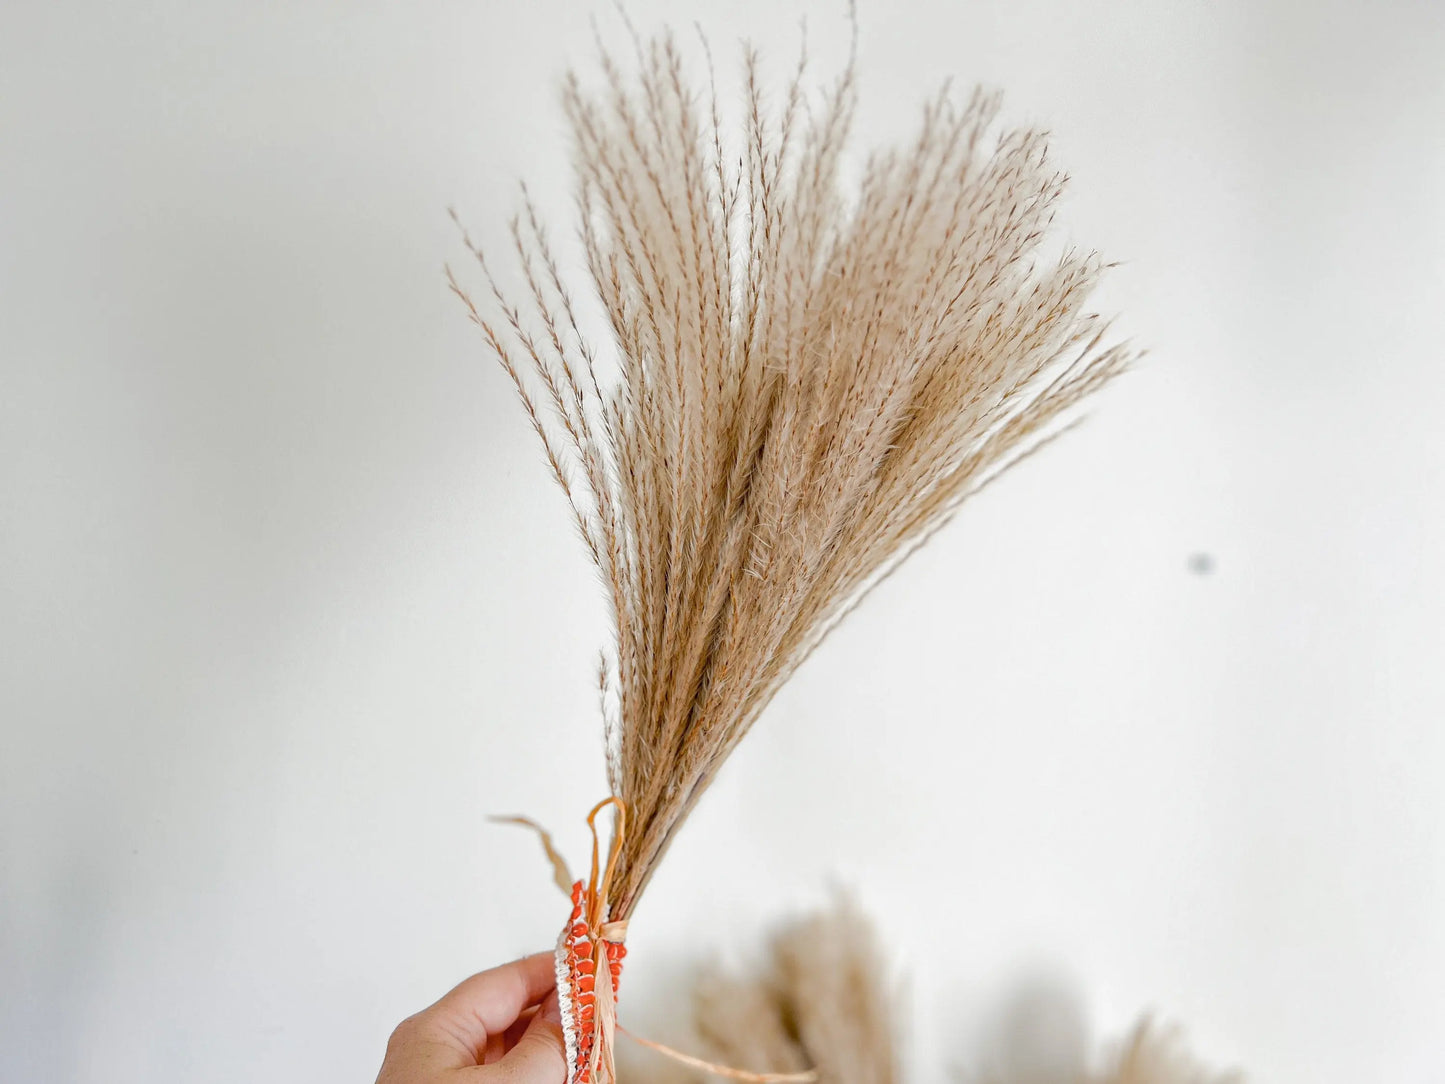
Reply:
x=821, y=996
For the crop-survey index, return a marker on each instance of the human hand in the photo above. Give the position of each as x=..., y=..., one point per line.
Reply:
x=500, y=1027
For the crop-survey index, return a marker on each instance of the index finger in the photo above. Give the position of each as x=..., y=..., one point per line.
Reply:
x=492, y=1001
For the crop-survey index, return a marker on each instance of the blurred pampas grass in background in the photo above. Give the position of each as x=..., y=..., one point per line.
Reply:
x=1157, y=1055
x=822, y=995
x=802, y=383
x=1149, y=1054
x=822, y=998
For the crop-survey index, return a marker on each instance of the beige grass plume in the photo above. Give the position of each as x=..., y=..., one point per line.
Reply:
x=821, y=995
x=1152, y=1054
x=801, y=383
x=821, y=998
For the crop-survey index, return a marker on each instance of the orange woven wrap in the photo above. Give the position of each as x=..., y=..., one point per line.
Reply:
x=589, y=958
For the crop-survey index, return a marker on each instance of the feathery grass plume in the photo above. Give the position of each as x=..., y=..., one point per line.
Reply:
x=821, y=998
x=818, y=998
x=802, y=383
x=743, y=1021
x=1154, y=1055
x=1147, y=1055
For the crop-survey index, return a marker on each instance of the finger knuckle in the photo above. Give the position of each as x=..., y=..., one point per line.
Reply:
x=405, y=1032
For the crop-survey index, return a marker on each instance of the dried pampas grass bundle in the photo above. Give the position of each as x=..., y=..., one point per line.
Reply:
x=801, y=385
x=817, y=998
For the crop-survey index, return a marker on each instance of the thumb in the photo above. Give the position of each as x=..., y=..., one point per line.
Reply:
x=540, y=1056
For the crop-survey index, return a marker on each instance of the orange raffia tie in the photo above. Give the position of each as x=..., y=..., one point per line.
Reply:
x=589, y=958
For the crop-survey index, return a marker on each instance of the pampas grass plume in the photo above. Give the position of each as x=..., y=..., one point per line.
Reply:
x=801, y=381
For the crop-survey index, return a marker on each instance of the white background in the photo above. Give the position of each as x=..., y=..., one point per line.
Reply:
x=290, y=604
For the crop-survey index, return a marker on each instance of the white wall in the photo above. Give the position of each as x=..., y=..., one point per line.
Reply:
x=289, y=603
